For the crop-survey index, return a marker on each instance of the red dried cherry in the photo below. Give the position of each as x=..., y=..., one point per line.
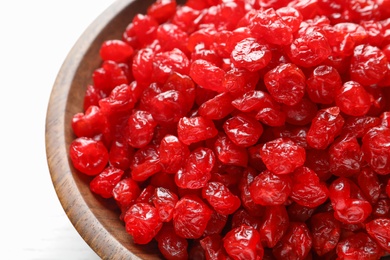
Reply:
x=190, y=217
x=286, y=83
x=172, y=246
x=126, y=192
x=322, y=84
x=254, y=100
x=309, y=50
x=349, y=205
x=344, y=36
x=104, y=183
x=220, y=198
x=228, y=175
x=241, y=217
x=368, y=65
x=196, y=171
x=353, y=99
x=369, y=184
x=290, y=16
x=92, y=96
x=142, y=66
x=145, y=28
x=207, y=75
x=246, y=199
x=357, y=246
x=216, y=224
x=299, y=213
x=184, y=85
x=307, y=190
x=162, y=10
x=120, y=155
x=269, y=189
x=173, y=153
x=88, y=156
x=165, y=201
x=243, y=130
x=345, y=156
x=108, y=76
x=297, y=134
x=268, y=111
x=239, y=81
x=122, y=99
x=358, y=126
x=274, y=226
x=218, y=107
x=376, y=150
x=146, y=195
x=90, y=123
x=379, y=230
x=116, y=50
x=295, y=244
x=142, y=222
x=165, y=63
x=145, y=163
x=318, y=161
x=232, y=38
x=279, y=33
x=251, y=55
x=326, y=125
x=359, y=10
x=243, y=243
x=185, y=18
x=213, y=248
x=195, y=129
x=140, y=129
x=282, y=156
x=326, y=231
x=168, y=107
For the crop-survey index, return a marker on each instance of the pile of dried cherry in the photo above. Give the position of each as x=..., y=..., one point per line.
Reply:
x=245, y=129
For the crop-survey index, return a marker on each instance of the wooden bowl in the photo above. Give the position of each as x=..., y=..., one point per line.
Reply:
x=96, y=220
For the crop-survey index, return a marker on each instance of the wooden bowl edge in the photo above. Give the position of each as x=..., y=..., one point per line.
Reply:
x=77, y=210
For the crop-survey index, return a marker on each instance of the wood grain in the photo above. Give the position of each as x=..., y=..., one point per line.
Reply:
x=96, y=220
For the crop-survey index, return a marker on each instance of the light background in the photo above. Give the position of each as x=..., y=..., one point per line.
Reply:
x=35, y=37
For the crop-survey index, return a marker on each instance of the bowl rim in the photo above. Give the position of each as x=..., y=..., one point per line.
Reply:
x=96, y=236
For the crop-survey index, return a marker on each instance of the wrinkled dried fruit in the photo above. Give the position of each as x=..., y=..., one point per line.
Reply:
x=220, y=198
x=376, y=150
x=104, y=183
x=295, y=244
x=243, y=243
x=307, y=190
x=270, y=189
x=88, y=156
x=357, y=246
x=325, y=231
x=379, y=230
x=286, y=83
x=142, y=222
x=190, y=217
x=282, y=156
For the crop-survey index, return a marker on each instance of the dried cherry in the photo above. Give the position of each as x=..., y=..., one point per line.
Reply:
x=282, y=156
x=88, y=156
x=190, y=217
x=243, y=243
x=145, y=216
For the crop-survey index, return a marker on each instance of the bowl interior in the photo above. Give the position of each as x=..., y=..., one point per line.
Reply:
x=96, y=220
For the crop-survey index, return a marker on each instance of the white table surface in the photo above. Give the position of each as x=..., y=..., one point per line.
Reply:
x=35, y=37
